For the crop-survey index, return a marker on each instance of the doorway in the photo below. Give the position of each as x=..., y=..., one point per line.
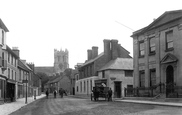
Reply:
x=117, y=89
x=169, y=80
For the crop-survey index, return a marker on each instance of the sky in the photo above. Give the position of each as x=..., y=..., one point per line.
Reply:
x=37, y=27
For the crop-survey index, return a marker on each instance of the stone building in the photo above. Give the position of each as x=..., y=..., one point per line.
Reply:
x=118, y=75
x=88, y=71
x=157, y=55
x=60, y=60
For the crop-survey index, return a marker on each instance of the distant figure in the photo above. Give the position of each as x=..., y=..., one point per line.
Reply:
x=109, y=94
x=47, y=94
x=61, y=92
x=55, y=93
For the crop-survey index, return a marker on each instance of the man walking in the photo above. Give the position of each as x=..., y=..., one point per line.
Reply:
x=109, y=94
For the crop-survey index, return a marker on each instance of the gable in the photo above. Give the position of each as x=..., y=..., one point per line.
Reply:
x=168, y=58
x=163, y=19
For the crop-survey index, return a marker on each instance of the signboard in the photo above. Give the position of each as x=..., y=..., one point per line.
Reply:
x=24, y=81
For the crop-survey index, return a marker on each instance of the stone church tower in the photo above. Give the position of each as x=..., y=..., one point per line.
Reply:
x=60, y=60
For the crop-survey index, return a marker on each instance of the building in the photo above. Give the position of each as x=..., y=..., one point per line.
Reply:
x=3, y=62
x=11, y=72
x=118, y=75
x=60, y=60
x=88, y=72
x=157, y=56
x=36, y=81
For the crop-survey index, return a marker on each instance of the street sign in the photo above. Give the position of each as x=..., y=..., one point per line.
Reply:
x=25, y=81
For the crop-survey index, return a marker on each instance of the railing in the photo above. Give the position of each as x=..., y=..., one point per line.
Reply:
x=144, y=91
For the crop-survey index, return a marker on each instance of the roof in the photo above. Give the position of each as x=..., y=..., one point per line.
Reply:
x=22, y=66
x=92, y=60
x=166, y=17
x=119, y=64
x=8, y=49
x=2, y=25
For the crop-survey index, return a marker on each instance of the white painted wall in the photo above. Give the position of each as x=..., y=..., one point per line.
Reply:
x=88, y=85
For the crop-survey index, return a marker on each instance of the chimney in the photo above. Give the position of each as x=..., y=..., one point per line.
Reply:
x=16, y=51
x=31, y=65
x=94, y=52
x=107, y=49
x=89, y=54
x=114, y=46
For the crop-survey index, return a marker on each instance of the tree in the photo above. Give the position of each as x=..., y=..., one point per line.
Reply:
x=44, y=78
x=68, y=72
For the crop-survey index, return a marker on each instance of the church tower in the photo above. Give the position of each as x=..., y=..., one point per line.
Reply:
x=60, y=60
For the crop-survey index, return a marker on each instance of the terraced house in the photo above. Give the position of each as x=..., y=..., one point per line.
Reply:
x=157, y=56
x=3, y=64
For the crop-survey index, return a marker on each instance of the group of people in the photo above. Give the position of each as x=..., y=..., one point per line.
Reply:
x=61, y=93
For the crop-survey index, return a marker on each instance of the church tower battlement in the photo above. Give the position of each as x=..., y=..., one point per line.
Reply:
x=61, y=60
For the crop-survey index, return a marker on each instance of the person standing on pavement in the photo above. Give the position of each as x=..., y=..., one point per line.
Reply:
x=109, y=94
x=47, y=93
x=55, y=93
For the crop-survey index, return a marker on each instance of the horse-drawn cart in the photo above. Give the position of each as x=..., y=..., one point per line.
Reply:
x=99, y=92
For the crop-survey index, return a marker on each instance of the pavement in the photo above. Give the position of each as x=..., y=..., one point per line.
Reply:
x=175, y=102
x=8, y=108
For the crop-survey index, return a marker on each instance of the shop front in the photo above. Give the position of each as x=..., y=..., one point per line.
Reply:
x=10, y=91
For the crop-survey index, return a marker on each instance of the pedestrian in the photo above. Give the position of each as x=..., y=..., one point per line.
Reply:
x=61, y=91
x=109, y=94
x=55, y=93
x=47, y=93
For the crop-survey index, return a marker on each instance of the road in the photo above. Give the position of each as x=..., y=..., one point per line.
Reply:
x=77, y=106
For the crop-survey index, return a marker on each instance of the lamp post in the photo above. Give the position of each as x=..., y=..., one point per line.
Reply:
x=25, y=81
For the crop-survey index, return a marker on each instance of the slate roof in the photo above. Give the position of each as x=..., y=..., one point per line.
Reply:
x=2, y=25
x=119, y=64
x=23, y=66
x=92, y=60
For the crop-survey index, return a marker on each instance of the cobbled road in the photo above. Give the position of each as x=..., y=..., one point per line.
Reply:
x=77, y=106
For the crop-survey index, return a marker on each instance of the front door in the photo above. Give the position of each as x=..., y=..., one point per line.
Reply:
x=169, y=80
x=117, y=89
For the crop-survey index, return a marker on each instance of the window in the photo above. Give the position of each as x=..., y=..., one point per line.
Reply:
x=169, y=40
x=141, y=49
x=128, y=73
x=8, y=73
x=8, y=58
x=142, y=78
x=152, y=77
x=152, y=45
x=91, y=85
x=12, y=74
x=2, y=37
x=84, y=86
x=103, y=74
x=11, y=60
x=19, y=75
x=80, y=86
